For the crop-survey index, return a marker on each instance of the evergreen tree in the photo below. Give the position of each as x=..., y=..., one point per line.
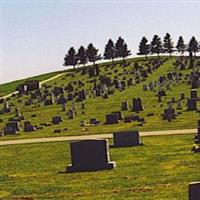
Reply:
x=181, y=46
x=70, y=58
x=144, y=48
x=168, y=45
x=156, y=45
x=193, y=46
x=110, y=51
x=121, y=49
x=92, y=53
x=81, y=55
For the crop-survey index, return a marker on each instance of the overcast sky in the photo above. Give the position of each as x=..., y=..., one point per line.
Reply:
x=35, y=35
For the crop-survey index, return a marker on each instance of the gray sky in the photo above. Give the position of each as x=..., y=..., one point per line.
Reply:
x=35, y=35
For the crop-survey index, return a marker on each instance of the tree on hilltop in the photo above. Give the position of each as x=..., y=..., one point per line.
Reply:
x=193, y=46
x=168, y=45
x=81, y=55
x=181, y=46
x=122, y=49
x=110, y=51
x=144, y=48
x=92, y=53
x=70, y=58
x=156, y=45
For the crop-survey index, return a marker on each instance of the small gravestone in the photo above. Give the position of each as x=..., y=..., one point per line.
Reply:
x=89, y=155
x=6, y=108
x=169, y=114
x=71, y=114
x=124, y=106
x=8, y=130
x=194, y=191
x=193, y=94
x=56, y=119
x=126, y=139
x=28, y=127
x=137, y=105
x=112, y=118
x=14, y=125
x=191, y=104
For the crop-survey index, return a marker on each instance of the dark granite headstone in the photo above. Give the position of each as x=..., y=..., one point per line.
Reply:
x=194, y=191
x=89, y=155
x=112, y=118
x=126, y=139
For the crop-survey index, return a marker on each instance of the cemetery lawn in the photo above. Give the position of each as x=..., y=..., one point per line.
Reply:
x=8, y=88
x=159, y=170
x=98, y=107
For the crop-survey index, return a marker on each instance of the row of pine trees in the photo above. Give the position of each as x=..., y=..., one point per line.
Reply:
x=119, y=49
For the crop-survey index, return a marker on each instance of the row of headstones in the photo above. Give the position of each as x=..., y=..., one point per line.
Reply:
x=93, y=155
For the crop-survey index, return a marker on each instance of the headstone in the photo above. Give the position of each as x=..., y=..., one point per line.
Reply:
x=57, y=119
x=124, y=106
x=194, y=191
x=71, y=114
x=89, y=155
x=14, y=124
x=193, y=94
x=169, y=114
x=191, y=105
x=126, y=139
x=137, y=105
x=112, y=118
x=28, y=127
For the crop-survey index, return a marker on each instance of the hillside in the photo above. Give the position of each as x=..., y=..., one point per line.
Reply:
x=138, y=78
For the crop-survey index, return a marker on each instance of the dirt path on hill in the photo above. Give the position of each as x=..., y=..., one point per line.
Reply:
x=99, y=136
x=41, y=83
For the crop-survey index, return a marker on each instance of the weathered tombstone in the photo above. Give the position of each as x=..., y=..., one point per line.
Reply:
x=82, y=123
x=17, y=113
x=137, y=105
x=14, y=124
x=124, y=105
x=8, y=130
x=57, y=119
x=89, y=155
x=169, y=114
x=6, y=107
x=194, y=191
x=119, y=114
x=126, y=139
x=193, y=94
x=191, y=104
x=71, y=114
x=112, y=118
x=28, y=127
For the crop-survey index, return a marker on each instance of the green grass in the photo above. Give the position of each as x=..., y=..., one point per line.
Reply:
x=99, y=107
x=10, y=87
x=161, y=170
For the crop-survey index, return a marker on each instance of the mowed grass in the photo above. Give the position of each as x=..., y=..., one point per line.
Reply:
x=10, y=87
x=99, y=107
x=159, y=170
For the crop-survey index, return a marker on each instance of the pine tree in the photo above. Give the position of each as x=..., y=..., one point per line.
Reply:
x=92, y=53
x=156, y=45
x=168, y=45
x=121, y=49
x=144, y=48
x=70, y=58
x=181, y=46
x=110, y=51
x=193, y=46
x=81, y=55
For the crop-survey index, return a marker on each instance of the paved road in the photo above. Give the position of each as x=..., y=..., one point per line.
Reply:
x=41, y=82
x=99, y=136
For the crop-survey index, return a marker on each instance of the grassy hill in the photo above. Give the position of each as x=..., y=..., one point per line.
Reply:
x=10, y=87
x=161, y=169
x=98, y=107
